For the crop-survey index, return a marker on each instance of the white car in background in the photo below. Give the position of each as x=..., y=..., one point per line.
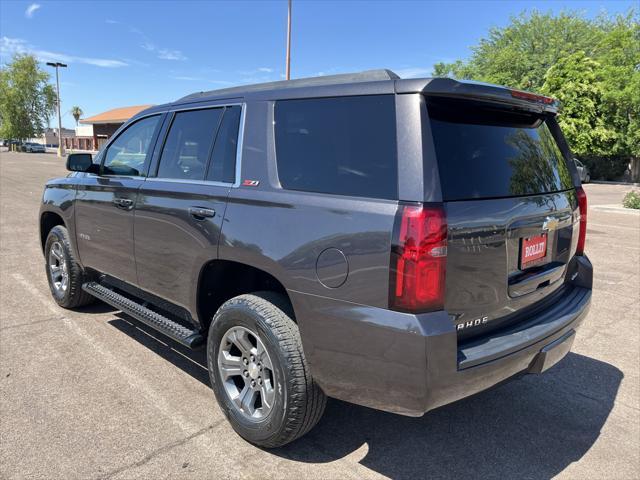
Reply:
x=583, y=171
x=32, y=147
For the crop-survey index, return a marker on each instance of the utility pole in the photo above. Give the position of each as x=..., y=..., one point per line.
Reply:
x=60, y=144
x=288, y=74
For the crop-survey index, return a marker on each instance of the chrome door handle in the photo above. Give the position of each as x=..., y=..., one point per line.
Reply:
x=200, y=213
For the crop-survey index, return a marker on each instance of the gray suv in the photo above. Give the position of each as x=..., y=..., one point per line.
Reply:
x=398, y=244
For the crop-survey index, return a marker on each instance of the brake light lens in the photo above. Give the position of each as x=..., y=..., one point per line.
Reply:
x=418, y=259
x=532, y=97
x=582, y=205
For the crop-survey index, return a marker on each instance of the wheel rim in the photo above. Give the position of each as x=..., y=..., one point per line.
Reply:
x=246, y=372
x=58, y=268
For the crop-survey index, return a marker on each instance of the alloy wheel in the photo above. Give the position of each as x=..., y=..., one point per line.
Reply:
x=58, y=268
x=247, y=373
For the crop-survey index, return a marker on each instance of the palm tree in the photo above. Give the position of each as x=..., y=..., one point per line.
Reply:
x=77, y=113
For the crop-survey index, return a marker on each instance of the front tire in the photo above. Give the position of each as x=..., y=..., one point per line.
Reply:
x=259, y=373
x=64, y=273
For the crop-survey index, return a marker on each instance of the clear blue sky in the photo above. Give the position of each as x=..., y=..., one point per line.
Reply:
x=130, y=53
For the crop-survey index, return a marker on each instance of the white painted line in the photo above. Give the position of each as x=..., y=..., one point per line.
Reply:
x=134, y=380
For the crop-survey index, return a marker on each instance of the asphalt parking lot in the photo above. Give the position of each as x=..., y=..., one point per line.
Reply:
x=93, y=394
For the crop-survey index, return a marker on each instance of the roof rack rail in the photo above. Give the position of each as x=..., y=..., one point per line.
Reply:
x=366, y=76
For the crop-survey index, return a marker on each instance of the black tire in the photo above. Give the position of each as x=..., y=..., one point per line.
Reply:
x=299, y=401
x=73, y=296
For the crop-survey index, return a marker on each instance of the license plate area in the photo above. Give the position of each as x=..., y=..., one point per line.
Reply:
x=533, y=251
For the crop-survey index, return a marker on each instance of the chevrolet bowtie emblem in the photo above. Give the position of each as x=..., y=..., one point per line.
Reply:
x=550, y=224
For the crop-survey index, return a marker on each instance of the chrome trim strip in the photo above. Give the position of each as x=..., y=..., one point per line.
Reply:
x=190, y=182
x=205, y=107
x=150, y=114
x=240, y=145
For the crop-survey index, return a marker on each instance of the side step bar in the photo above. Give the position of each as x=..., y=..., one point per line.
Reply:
x=164, y=325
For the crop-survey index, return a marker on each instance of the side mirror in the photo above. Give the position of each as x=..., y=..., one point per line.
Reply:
x=80, y=162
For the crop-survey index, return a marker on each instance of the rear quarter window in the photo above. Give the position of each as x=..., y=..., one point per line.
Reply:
x=487, y=152
x=341, y=146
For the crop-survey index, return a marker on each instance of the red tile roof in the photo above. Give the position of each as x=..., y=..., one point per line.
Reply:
x=117, y=115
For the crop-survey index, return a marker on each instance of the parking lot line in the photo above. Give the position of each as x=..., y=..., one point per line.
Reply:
x=132, y=379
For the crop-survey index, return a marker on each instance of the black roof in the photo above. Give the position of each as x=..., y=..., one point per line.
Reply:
x=366, y=76
x=371, y=82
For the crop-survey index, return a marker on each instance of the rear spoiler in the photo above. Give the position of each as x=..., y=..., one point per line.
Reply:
x=448, y=87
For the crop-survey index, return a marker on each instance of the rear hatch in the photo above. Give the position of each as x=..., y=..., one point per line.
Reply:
x=511, y=209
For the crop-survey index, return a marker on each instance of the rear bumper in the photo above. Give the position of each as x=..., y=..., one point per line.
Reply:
x=410, y=364
x=482, y=365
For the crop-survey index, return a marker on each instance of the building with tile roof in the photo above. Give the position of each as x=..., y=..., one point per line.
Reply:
x=93, y=132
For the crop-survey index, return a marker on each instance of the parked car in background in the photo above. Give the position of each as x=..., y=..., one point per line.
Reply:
x=32, y=147
x=398, y=244
x=583, y=171
x=14, y=145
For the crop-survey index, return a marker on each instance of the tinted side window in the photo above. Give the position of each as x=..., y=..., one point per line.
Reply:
x=188, y=145
x=128, y=153
x=223, y=162
x=343, y=146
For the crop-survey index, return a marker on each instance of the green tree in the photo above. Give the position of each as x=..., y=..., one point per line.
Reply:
x=27, y=100
x=520, y=54
x=618, y=53
x=77, y=113
x=573, y=80
x=591, y=66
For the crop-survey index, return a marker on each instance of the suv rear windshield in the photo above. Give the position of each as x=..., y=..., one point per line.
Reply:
x=491, y=152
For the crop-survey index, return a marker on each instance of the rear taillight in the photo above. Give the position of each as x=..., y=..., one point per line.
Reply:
x=418, y=259
x=582, y=205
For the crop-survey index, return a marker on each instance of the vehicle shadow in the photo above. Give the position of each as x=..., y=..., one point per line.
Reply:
x=96, y=307
x=192, y=362
x=532, y=427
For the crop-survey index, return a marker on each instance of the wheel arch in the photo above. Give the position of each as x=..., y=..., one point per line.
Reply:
x=48, y=220
x=221, y=280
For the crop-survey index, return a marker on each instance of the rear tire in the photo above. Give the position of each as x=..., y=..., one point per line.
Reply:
x=64, y=273
x=296, y=401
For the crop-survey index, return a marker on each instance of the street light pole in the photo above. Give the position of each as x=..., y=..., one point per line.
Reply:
x=60, y=144
x=288, y=71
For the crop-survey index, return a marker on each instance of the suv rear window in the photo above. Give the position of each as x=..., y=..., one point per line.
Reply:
x=342, y=145
x=488, y=152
